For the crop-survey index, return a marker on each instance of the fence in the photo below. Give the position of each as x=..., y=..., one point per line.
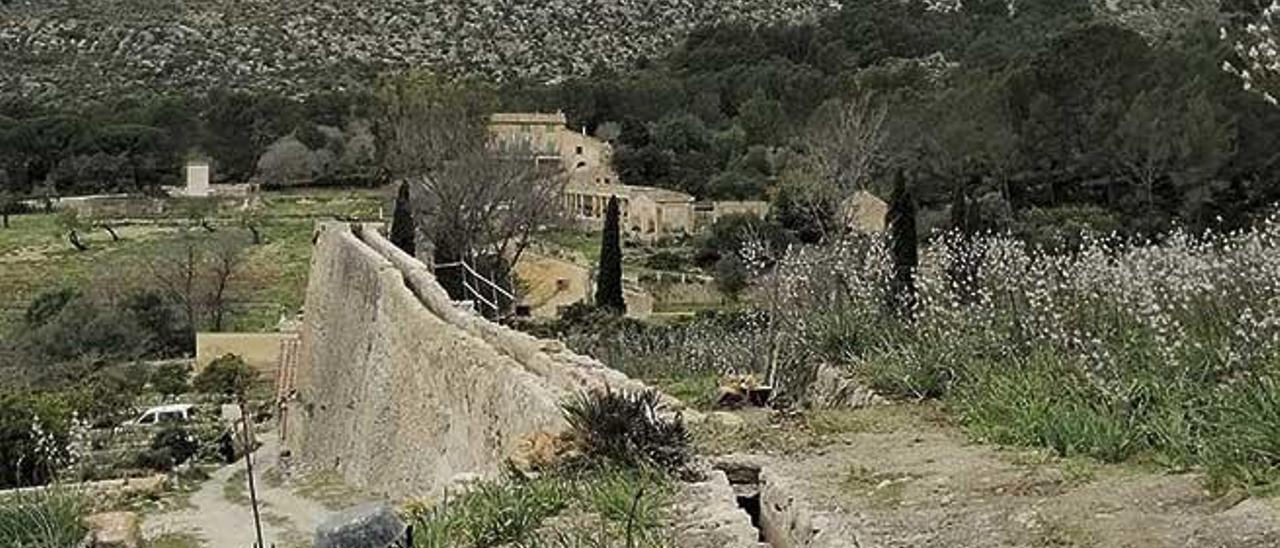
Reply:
x=473, y=282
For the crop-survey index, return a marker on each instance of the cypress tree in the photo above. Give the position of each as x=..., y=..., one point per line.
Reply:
x=609, y=280
x=901, y=221
x=402, y=228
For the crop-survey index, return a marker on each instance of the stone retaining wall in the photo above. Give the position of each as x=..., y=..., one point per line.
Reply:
x=399, y=390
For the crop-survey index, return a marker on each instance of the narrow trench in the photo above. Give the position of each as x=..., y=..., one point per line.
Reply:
x=750, y=503
x=745, y=481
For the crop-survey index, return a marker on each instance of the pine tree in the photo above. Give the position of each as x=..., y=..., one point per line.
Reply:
x=609, y=280
x=402, y=227
x=901, y=220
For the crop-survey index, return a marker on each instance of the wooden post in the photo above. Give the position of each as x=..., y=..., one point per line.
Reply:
x=248, y=464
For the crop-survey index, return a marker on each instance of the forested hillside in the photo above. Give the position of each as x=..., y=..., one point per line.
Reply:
x=1056, y=112
x=1034, y=114
x=76, y=50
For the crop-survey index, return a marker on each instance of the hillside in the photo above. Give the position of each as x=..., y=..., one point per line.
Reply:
x=51, y=51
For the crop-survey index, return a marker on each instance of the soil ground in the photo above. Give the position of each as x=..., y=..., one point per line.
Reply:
x=219, y=515
x=899, y=476
x=543, y=274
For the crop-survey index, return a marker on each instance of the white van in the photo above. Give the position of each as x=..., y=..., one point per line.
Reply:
x=166, y=414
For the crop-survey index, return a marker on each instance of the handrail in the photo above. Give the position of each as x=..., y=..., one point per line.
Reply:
x=473, y=272
x=472, y=290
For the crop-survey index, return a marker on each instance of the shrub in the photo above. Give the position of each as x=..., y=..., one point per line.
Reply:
x=170, y=447
x=626, y=429
x=167, y=334
x=226, y=376
x=48, y=304
x=34, y=429
x=665, y=260
x=171, y=379
x=731, y=276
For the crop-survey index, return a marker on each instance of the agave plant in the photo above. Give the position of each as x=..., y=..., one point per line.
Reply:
x=626, y=428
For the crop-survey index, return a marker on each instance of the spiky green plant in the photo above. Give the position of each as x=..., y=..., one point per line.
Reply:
x=626, y=428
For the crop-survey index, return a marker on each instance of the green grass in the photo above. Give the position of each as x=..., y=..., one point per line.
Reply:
x=43, y=519
x=236, y=488
x=587, y=244
x=593, y=508
x=697, y=389
x=328, y=489
x=175, y=540
x=35, y=255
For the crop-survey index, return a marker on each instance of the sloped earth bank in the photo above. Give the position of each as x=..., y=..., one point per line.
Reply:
x=900, y=477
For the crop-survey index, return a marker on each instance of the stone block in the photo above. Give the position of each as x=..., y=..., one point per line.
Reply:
x=114, y=530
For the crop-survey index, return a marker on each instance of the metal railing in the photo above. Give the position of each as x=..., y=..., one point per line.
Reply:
x=495, y=291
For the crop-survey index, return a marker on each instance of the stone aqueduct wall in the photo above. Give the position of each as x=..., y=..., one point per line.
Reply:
x=401, y=392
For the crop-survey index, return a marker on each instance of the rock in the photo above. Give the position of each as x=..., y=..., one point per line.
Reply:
x=372, y=525
x=739, y=469
x=114, y=530
x=834, y=388
x=544, y=450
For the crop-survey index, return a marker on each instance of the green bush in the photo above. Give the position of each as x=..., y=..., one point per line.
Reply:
x=33, y=437
x=626, y=429
x=170, y=447
x=665, y=260
x=171, y=379
x=731, y=276
x=228, y=376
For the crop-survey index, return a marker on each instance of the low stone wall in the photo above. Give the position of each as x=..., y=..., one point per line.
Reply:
x=399, y=390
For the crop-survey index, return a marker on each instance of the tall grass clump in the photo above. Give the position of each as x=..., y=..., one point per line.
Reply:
x=48, y=518
x=610, y=506
x=611, y=489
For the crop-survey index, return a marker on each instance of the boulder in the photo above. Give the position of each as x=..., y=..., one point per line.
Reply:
x=835, y=388
x=372, y=525
x=114, y=530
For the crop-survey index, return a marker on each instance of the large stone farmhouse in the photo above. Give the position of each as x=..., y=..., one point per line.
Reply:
x=648, y=213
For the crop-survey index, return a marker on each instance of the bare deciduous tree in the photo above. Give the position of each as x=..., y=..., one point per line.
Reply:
x=195, y=273
x=176, y=270
x=225, y=257
x=473, y=204
x=843, y=144
x=844, y=141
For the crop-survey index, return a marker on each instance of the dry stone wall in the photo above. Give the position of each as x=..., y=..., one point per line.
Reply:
x=400, y=391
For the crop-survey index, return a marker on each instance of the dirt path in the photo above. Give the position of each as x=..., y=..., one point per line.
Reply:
x=220, y=515
x=891, y=477
x=553, y=283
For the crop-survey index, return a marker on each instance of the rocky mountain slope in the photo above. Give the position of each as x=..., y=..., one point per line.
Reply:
x=85, y=49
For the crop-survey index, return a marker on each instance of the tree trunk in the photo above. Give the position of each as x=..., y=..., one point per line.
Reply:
x=257, y=236
x=74, y=238
x=5, y=217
